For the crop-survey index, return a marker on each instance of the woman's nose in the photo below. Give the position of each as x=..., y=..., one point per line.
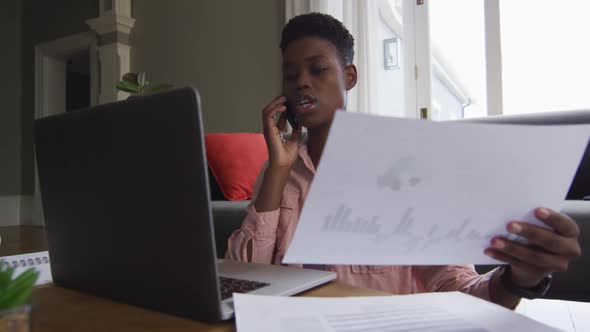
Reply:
x=303, y=80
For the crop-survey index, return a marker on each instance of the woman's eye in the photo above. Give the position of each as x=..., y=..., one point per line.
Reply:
x=318, y=70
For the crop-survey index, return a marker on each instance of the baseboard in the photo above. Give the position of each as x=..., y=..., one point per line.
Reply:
x=10, y=210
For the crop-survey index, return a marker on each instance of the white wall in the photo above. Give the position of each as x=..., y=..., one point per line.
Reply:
x=228, y=49
x=10, y=112
x=391, y=84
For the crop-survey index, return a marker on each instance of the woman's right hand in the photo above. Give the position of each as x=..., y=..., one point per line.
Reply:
x=281, y=154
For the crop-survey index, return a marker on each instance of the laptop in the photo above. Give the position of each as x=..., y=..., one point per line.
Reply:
x=127, y=211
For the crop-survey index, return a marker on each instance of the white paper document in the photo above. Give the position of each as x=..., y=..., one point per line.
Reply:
x=436, y=312
x=37, y=260
x=569, y=316
x=392, y=191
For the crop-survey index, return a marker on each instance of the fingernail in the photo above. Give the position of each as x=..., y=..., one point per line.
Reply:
x=498, y=244
x=543, y=213
x=488, y=253
x=515, y=228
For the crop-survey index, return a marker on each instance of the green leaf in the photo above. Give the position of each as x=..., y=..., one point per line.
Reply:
x=18, y=299
x=19, y=289
x=5, y=275
x=159, y=87
x=24, y=278
x=127, y=87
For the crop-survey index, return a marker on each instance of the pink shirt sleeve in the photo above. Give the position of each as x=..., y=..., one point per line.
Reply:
x=259, y=229
x=449, y=278
x=465, y=279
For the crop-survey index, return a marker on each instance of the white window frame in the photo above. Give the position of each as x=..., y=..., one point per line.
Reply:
x=412, y=85
x=416, y=45
x=415, y=37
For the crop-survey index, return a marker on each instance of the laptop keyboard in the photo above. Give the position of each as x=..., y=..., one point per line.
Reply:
x=231, y=285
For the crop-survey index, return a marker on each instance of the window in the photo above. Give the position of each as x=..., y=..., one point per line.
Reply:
x=467, y=58
x=457, y=52
x=542, y=63
x=545, y=62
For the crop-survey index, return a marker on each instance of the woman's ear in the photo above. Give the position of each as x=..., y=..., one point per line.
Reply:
x=350, y=76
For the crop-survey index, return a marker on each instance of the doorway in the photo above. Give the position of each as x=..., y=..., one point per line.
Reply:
x=78, y=81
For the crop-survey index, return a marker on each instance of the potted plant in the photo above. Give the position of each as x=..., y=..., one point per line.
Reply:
x=137, y=84
x=14, y=293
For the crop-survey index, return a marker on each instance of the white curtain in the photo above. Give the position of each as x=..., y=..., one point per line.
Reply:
x=359, y=17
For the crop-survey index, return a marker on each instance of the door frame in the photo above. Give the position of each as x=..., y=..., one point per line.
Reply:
x=50, y=58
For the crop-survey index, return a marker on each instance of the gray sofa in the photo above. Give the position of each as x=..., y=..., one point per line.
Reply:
x=575, y=284
x=227, y=217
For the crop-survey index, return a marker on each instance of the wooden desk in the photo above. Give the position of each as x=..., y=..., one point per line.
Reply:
x=58, y=309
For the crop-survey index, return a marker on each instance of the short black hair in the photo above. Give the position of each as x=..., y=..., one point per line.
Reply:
x=323, y=26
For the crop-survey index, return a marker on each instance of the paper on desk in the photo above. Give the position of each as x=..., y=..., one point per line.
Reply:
x=38, y=260
x=569, y=316
x=439, y=312
x=398, y=191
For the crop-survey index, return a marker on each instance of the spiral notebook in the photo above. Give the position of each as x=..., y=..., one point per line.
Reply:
x=37, y=260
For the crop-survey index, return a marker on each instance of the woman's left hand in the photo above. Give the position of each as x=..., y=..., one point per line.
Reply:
x=547, y=250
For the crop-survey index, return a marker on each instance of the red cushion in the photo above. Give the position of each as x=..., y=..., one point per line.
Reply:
x=235, y=160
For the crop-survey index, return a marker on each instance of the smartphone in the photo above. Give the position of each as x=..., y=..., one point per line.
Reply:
x=291, y=117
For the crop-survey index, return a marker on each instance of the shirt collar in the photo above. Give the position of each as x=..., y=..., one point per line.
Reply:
x=304, y=155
